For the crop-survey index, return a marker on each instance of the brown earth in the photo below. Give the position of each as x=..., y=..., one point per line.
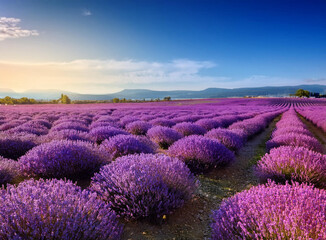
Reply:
x=193, y=219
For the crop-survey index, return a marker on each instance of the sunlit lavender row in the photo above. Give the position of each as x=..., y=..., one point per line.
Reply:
x=83, y=171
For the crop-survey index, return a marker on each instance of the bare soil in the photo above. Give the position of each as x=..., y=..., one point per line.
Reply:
x=192, y=221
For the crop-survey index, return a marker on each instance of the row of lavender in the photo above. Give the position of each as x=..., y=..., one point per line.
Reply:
x=271, y=211
x=131, y=187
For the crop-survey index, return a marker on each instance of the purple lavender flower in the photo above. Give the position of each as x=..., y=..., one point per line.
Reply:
x=138, y=127
x=294, y=139
x=187, y=129
x=208, y=124
x=163, y=136
x=9, y=170
x=55, y=209
x=201, y=153
x=145, y=185
x=121, y=145
x=59, y=159
x=272, y=212
x=66, y=134
x=101, y=133
x=228, y=138
x=14, y=146
x=162, y=122
x=293, y=163
x=70, y=125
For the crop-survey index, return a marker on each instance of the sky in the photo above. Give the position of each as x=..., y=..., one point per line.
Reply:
x=104, y=46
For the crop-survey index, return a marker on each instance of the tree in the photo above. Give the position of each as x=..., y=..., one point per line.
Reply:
x=167, y=98
x=115, y=100
x=65, y=99
x=302, y=93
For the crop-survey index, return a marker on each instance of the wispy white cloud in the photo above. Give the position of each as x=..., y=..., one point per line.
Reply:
x=9, y=29
x=86, y=12
x=87, y=75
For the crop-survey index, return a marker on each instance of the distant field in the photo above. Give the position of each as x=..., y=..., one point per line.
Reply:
x=237, y=168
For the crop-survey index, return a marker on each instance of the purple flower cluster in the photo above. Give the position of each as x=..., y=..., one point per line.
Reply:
x=208, y=123
x=201, y=153
x=9, y=170
x=138, y=127
x=294, y=139
x=145, y=185
x=163, y=136
x=55, y=209
x=99, y=134
x=66, y=134
x=293, y=163
x=187, y=129
x=228, y=138
x=70, y=125
x=272, y=212
x=290, y=131
x=63, y=159
x=121, y=145
x=14, y=146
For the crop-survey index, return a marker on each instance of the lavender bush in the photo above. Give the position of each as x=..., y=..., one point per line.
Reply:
x=187, y=129
x=228, y=138
x=201, y=153
x=163, y=136
x=145, y=185
x=55, y=209
x=122, y=145
x=272, y=212
x=60, y=159
x=99, y=134
x=138, y=127
x=9, y=170
x=296, y=163
x=14, y=146
x=294, y=139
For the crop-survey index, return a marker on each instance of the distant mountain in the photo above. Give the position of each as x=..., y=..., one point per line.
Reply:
x=177, y=94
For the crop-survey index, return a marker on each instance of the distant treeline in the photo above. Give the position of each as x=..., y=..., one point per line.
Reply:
x=305, y=93
x=64, y=99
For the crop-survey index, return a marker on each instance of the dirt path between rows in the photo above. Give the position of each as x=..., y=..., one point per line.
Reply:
x=318, y=133
x=193, y=219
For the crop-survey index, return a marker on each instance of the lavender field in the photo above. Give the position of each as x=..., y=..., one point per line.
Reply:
x=236, y=168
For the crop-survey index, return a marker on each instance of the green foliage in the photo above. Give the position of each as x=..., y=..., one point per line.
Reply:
x=64, y=99
x=12, y=101
x=167, y=98
x=302, y=93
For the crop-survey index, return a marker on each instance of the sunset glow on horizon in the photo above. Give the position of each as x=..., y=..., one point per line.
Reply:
x=105, y=46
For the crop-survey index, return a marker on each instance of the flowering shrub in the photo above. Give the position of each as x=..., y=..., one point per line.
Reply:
x=292, y=129
x=59, y=159
x=208, y=124
x=296, y=163
x=200, y=153
x=70, y=125
x=67, y=134
x=162, y=122
x=228, y=138
x=13, y=146
x=145, y=185
x=272, y=212
x=163, y=136
x=121, y=145
x=187, y=129
x=294, y=139
x=55, y=209
x=138, y=127
x=101, y=133
x=9, y=170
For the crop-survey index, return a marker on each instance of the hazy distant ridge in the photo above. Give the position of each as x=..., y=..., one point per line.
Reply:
x=145, y=93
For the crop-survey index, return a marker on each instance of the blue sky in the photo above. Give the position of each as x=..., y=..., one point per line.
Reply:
x=103, y=46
